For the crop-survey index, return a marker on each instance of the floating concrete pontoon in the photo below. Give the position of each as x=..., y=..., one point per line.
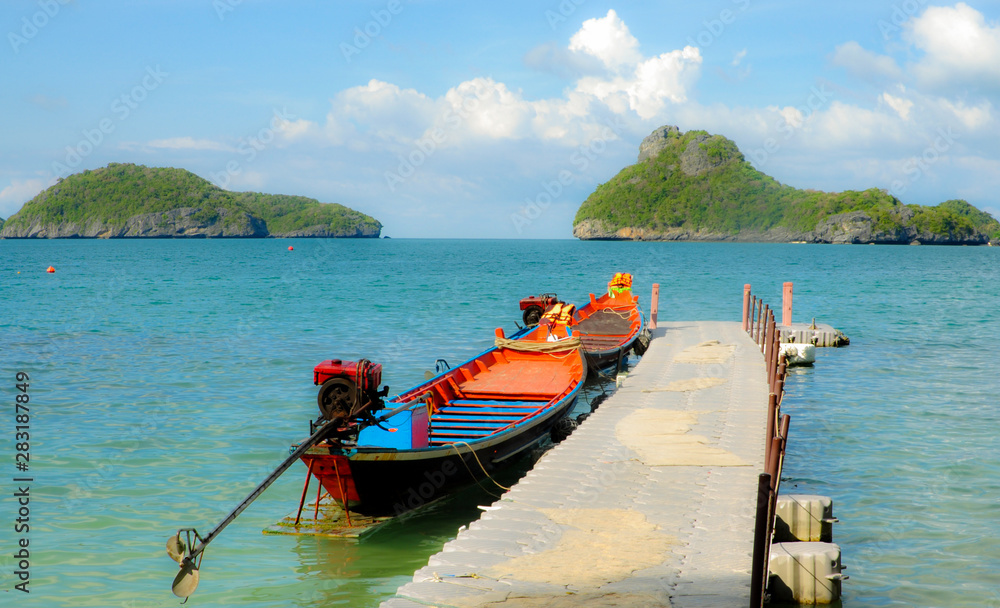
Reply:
x=651, y=502
x=818, y=334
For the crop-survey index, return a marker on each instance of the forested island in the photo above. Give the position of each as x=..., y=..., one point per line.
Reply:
x=697, y=186
x=124, y=200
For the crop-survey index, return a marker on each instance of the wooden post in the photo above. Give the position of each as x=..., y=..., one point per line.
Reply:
x=746, y=306
x=654, y=305
x=786, y=305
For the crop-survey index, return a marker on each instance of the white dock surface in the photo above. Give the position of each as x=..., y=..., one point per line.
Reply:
x=649, y=503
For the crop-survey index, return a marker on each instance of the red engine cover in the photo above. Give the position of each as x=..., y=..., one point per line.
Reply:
x=545, y=300
x=348, y=369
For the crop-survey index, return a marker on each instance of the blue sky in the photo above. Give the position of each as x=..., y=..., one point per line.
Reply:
x=446, y=119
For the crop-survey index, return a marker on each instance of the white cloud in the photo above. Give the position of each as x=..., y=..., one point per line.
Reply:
x=976, y=117
x=738, y=58
x=489, y=108
x=609, y=40
x=380, y=111
x=900, y=105
x=20, y=191
x=864, y=63
x=959, y=46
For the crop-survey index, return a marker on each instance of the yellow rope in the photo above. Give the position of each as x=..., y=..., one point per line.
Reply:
x=571, y=343
x=481, y=467
x=625, y=314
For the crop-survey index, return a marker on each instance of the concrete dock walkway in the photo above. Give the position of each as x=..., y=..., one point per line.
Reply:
x=650, y=502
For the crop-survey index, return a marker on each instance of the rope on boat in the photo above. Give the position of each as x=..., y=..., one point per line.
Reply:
x=481, y=467
x=623, y=314
x=571, y=343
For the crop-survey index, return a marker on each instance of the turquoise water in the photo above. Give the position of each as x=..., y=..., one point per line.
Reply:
x=168, y=377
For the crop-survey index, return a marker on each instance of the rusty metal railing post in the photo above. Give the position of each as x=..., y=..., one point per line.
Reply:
x=761, y=541
x=765, y=333
x=779, y=379
x=746, y=306
x=773, y=352
x=772, y=415
x=654, y=305
x=760, y=322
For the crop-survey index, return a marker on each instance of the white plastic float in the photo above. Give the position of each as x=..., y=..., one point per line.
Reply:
x=798, y=353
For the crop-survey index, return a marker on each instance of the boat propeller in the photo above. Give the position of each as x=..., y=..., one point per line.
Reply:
x=348, y=397
x=187, y=546
x=178, y=549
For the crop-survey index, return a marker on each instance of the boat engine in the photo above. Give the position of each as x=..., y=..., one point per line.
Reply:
x=349, y=391
x=534, y=307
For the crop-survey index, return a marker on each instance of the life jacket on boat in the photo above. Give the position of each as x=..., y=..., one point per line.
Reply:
x=620, y=284
x=560, y=313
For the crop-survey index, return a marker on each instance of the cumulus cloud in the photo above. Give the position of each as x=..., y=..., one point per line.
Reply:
x=973, y=117
x=612, y=77
x=900, y=105
x=17, y=193
x=609, y=40
x=959, y=46
x=864, y=63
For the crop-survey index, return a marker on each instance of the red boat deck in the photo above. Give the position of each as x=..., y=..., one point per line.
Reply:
x=532, y=378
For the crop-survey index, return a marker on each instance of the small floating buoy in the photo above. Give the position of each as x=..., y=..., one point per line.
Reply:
x=290, y=248
x=50, y=269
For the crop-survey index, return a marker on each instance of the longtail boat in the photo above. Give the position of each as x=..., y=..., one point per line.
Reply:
x=452, y=430
x=608, y=326
x=377, y=457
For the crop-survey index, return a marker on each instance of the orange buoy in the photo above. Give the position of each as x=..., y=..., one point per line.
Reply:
x=290, y=248
x=50, y=269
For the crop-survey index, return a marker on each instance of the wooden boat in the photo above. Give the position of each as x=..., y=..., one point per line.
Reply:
x=608, y=327
x=454, y=429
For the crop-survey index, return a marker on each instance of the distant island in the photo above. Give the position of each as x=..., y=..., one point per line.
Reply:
x=124, y=200
x=698, y=187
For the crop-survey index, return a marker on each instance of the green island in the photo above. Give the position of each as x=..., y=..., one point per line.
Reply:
x=124, y=200
x=697, y=186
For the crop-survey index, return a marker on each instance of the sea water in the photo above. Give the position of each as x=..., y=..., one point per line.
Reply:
x=168, y=377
